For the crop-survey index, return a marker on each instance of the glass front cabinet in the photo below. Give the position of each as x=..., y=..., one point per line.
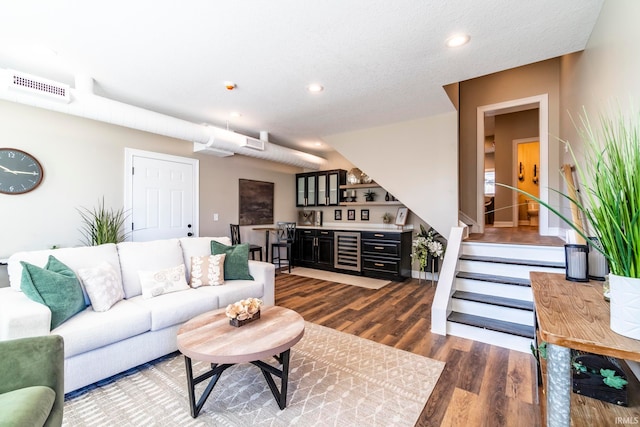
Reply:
x=319, y=188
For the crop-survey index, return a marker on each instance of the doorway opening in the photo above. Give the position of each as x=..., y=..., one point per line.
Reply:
x=501, y=164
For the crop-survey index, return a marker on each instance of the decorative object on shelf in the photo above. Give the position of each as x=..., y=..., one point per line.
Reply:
x=370, y=196
x=576, y=262
x=364, y=215
x=428, y=248
x=337, y=215
x=401, y=216
x=609, y=173
x=365, y=179
x=102, y=225
x=20, y=172
x=387, y=198
x=599, y=377
x=244, y=311
x=598, y=268
x=354, y=176
x=351, y=214
x=387, y=218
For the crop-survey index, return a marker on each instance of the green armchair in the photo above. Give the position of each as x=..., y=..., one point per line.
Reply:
x=32, y=381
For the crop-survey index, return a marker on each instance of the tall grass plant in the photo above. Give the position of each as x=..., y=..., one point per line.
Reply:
x=102, y=225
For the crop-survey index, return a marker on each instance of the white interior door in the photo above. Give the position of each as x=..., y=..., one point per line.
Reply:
x=162, y=195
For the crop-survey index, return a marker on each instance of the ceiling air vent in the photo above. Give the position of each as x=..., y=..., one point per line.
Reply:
x=256, y=144
x=39, y=86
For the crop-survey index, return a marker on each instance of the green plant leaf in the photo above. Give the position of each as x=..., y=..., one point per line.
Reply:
x=102, y=225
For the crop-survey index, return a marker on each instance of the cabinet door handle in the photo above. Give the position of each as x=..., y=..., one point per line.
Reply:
x=380, y=248
x=379, y=235
x=324, y=232
x=378, y=264
x=307, y=231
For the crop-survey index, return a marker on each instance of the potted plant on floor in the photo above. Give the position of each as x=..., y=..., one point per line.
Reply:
x=102, y=225
x=610, y=177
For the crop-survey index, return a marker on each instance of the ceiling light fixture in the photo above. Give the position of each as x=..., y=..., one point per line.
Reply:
x=457, y=40
x=235, y=114
x=315, y=88
x=229, y=85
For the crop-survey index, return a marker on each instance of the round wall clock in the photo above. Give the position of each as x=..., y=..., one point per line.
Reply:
x=20, y=172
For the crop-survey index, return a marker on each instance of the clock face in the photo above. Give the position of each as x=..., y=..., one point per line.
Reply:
x=20, y=172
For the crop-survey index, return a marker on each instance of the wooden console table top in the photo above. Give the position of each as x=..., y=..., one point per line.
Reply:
x=575, y=315
x=209, y=337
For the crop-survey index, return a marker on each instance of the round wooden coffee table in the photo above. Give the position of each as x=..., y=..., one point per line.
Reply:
x=210, y=338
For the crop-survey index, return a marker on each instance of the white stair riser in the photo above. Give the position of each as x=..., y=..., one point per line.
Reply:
x=509, y=270
x=506, y=314
x=499, y=339
x=496, y=289
x=528, y=252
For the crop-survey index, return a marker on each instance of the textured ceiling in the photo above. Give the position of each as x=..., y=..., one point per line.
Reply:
x=379, y=61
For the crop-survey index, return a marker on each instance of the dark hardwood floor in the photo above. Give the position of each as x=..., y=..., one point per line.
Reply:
x=481, y=385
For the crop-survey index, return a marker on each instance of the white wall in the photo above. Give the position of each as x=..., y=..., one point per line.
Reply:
x=83, y=161
x=416, y=161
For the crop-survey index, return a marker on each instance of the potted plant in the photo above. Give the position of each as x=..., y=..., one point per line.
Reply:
x=427, y=248
x=387, y=217
x=370, y=196
x=102, y=225
x=610, y=177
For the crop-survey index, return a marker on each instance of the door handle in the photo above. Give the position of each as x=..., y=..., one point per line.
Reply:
x=189, y=234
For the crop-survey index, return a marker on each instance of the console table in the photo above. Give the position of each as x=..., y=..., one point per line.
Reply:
x=574, y=315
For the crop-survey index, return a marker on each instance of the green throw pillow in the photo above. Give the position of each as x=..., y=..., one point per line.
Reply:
x=55, y=286
x=236, y=261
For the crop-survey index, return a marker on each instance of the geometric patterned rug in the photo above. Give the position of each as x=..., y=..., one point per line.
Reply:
x=335, y=379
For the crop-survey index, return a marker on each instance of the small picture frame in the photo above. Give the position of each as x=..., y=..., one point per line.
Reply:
x=401, y=216
x=364, y=215
x=351, y=214
x=337, y=214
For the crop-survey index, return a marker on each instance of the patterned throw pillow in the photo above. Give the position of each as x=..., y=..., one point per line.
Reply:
x=155, y=283
x=102, y=286
x=207, y=270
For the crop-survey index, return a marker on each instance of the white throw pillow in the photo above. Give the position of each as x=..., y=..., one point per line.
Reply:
x=102, y=285
x=154, y=283
x=207, y=270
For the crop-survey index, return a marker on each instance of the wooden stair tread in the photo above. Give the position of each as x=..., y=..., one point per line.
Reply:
x=494, y=300
x=513, y=261
x=494, y=278
x=492, y=324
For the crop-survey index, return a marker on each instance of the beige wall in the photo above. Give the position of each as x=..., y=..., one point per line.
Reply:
x=530, y=80
x=606, y=73
x=414, y=160
x=83, y=161
x=508, y=127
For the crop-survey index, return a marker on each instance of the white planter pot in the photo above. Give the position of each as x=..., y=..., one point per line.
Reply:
x=625, y=305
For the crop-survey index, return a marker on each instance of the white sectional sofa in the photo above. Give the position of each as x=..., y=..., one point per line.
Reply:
x=135, y=330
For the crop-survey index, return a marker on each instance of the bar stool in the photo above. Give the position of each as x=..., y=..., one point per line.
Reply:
x=235, y=240
x=285, y=236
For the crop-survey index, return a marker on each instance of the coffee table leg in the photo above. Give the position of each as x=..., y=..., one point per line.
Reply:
x=268, y=371
x=215, y=372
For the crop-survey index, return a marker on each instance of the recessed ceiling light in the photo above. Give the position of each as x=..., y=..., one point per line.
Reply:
x=457, y=40
x=318, y=144
x=229, y=85
x=315, y=88
x=235, y=114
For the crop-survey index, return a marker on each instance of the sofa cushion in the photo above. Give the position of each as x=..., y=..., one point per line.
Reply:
x=102, y=285
x=29, y=406
x=236, y=262
x=165, y=281
x=198, y=246
x=75, y=258
x=55, y=286
x=146, y=256
x=172, y=309
x=235, y=291
x=207, y=270
x=89, y=329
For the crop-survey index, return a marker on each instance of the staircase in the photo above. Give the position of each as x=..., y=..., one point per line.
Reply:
x=491, y=300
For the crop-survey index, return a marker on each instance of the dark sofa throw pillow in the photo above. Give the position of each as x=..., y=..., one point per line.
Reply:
x=236, y=261
x=55, y=286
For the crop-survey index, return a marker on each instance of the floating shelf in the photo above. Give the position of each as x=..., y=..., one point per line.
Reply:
x=396, y=203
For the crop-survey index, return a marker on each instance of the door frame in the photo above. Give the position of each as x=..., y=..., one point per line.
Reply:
x=514, y=178
x=538, y=101
x=130, y=153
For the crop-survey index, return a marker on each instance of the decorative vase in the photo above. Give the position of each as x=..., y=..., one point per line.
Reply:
x=624, y=294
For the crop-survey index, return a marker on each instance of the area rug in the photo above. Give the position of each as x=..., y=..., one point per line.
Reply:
x=335, y=379
x=347, y=279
